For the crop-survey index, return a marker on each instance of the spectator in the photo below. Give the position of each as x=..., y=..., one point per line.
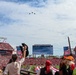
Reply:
x=14, y=67
x=71, y=65
x=63, y=67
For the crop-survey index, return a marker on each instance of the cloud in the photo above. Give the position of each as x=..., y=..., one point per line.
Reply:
x=33, y=3
x=49, y=21
x=4, y=20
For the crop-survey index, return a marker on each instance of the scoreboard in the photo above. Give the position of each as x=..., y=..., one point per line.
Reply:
x=40, y=49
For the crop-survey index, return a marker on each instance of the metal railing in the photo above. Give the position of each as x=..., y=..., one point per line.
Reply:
x=25, y=72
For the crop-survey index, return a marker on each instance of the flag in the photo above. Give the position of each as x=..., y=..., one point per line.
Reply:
x=19, y=50
x=54, y=70
x=66, y=50
x=37, y=70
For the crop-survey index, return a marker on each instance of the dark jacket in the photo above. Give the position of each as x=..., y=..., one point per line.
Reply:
x=70, y=72
x=63, y=68
x=43, y=71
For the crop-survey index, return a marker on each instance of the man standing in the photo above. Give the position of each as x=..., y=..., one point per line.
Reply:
x=14, y=67
x=46, y=70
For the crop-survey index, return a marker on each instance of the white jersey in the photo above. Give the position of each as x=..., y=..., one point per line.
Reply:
x=14, y=68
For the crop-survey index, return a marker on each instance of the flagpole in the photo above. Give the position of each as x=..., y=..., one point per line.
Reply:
x=69, y=46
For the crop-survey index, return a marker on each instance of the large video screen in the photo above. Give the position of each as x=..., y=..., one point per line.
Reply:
x=42, y=49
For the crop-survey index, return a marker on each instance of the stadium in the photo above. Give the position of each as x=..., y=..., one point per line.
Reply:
x=31, y=62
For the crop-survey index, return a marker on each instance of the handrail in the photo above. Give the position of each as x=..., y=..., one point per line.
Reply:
x=26, y=72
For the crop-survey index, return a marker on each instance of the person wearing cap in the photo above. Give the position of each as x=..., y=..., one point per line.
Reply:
x=46, y=70
x=71, y=64
x=63, y=66
x=14, y=67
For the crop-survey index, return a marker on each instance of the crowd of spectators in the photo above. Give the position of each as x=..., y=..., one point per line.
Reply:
x=28, y=61
x=41, y=61
x=4, y=60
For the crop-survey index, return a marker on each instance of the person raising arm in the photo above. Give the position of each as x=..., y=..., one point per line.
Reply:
x=14, y=67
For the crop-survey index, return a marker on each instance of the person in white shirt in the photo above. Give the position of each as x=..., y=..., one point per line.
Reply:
x=14, y=67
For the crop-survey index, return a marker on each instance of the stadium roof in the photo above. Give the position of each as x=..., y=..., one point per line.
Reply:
x=5, y=46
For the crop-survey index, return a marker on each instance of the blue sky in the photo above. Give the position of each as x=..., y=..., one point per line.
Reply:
x=38, y=22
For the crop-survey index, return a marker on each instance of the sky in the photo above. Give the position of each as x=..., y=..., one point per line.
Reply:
x=39, y=22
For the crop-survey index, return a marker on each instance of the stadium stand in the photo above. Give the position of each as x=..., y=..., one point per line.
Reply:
x=41, y=61
x=5, y=53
